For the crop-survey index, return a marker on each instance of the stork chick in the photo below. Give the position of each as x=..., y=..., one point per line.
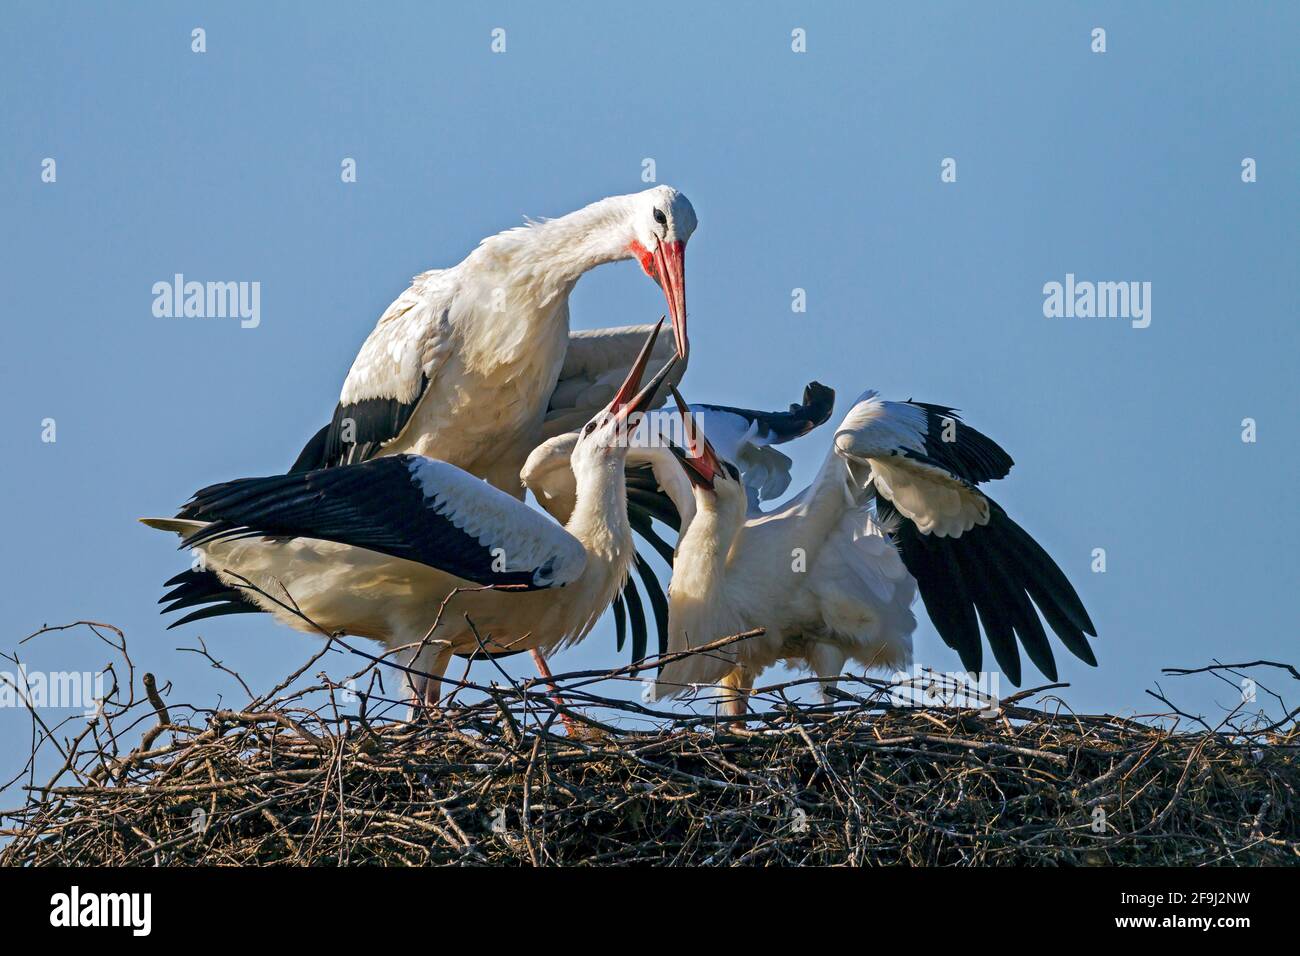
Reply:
x=831, y=575
x=382, y=548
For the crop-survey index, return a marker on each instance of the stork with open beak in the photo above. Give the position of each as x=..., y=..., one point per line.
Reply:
x=377, y=548
x=831, y=575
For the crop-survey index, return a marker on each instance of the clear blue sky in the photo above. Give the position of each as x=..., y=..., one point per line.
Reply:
x=818, y=171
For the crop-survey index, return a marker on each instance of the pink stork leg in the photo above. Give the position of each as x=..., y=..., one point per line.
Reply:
x=544, y=669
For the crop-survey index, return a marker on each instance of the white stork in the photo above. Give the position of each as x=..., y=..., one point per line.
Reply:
x=831, y=581
x=745, y=436
x=374, y=548
x=463, y=366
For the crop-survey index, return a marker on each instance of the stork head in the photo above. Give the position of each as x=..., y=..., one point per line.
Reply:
x=546, y=472
x=704, y=468
x=662, y=221
x=608, y=435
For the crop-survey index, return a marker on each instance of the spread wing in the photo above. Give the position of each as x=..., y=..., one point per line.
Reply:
x=972, y=563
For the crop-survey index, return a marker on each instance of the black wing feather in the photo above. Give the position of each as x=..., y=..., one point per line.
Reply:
x=377, y=505
x=192, y=588
x=214, y=610
x=971, y=456
x=658, y=603
x=357, y=431
x=646, y=503
x=1029, y=629
x=780, y=427
x=620, y=622
x=636, y=612
x=995, y=614
x=995, y=571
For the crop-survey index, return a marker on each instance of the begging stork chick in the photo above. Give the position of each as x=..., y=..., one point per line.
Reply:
x=375, y=548
x=831, y=579
x=745, y=436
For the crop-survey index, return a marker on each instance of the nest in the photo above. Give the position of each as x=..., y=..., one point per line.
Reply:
x=323, y=775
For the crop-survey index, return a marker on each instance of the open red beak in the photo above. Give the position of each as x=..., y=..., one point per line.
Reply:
x=702, y=462
x=670, y=264
x=628, y=400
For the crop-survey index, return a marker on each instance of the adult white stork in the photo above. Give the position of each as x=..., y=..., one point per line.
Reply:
x=463, y=366
x=831, y=581
x=376, y=547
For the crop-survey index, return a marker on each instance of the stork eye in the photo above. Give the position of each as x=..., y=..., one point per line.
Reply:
x=591, y=427
x=660, y=217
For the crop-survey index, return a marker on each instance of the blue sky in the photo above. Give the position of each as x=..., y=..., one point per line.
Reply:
x=817, y=171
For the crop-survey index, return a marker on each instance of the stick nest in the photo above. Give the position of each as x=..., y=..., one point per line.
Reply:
x=326, y=775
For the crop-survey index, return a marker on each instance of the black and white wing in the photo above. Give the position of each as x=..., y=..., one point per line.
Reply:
x=731, y=427
x=389, y=376
x=972, y=563
x=746, y=437
x=924, y=459
x=405, y=506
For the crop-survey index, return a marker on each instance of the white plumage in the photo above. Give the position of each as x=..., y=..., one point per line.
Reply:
x=890, y=438
x=818, y=574
x=463, y=365
x=829, y=580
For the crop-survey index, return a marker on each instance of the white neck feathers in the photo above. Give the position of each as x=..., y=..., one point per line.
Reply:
x=549, y=256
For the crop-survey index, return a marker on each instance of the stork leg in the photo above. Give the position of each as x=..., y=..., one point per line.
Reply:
x=827, y=662
x=570, y=727
x=422, y=684
x=736, y=688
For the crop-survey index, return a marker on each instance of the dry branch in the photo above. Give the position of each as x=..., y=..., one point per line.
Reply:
x=321, y=775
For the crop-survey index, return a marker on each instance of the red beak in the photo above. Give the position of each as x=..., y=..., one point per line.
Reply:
x=670, y=264
x=633, y=380
x=628, y=400
x=701, y=460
